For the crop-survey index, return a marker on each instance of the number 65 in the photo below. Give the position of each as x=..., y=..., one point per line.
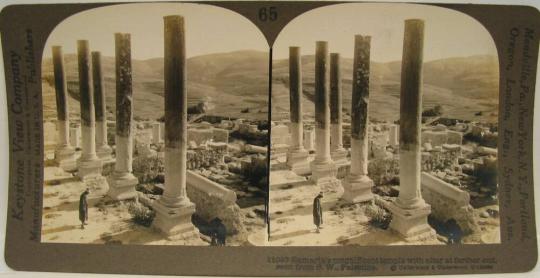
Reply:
x=269, y=13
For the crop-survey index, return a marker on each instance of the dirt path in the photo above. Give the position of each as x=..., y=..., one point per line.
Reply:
x=109, y=222
x=291, y=218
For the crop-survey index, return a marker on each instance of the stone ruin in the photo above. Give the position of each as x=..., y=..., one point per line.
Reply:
x=184, y=192
x=422, y=150
x=448, y=202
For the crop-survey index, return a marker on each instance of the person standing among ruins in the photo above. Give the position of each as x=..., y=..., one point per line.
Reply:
x=83, y=208
x=317, y=211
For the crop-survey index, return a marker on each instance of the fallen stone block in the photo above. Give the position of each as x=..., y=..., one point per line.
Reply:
x=436, y=138
x=448, y=202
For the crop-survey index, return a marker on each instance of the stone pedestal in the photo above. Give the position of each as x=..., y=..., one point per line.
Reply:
x=89, y=165
x=323, y=169
x=174, y=209
x=64, y=153
x=122, y=186
x=357, y=186
x=297, y=161
x=122, y=183
x=297, y=156
x=65, y=157
x=324, y=174
x=102, y=147
x=411, y=224
x=89, y=169
x=175, y=221
x=409, y=211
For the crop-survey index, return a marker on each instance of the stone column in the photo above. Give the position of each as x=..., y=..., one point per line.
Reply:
x=338, y=153
x=89, y=164
x=409, y=211
x=174, y=209
x=323, y=169
x=75, y=135
x=309, y=139
x=357, y=186
x=102, y=147
x=393, y=139
x=122, y=181
x=162, y=131
x=64, y=153
x=156, y=133
x=297, y=155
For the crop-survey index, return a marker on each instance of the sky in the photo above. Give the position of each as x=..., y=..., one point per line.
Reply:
x=448, y=33
x=212, y=29
x=209, y=29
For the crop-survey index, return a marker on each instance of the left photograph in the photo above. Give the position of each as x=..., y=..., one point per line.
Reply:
x=155, y=125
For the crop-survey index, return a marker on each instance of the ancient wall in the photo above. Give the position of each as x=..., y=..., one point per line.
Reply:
x=214, y=200
x=448, y=202
x=199, y=136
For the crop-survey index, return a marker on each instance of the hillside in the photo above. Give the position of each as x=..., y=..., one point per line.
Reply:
x=238, y=80
x=463, y=86
x=230, y=81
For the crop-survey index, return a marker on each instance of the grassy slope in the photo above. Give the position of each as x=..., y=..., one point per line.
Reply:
x=463, y=86
x=231, y=81
x=237, y=80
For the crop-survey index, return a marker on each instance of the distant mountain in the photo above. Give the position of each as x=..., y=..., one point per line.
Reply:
x=231, y=81
x=238, y=80
x=463, y=86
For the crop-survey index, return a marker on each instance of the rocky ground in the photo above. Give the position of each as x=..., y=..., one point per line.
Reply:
x=108, y=222
x=291, y=218
x=111, y=223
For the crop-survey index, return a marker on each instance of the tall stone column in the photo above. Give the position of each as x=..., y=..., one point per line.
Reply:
x=297, y=154
x=338, y=153
x=156, y=133
x=64, y=153
x=122, y=182
x=357, y=186
x=102, y=147
x=393, y=138
x=409, y=211
x=75, y=136
x=323, y=169
x=89, y=164
x=174, y=209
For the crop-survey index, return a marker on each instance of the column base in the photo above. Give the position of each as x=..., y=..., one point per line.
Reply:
x=357, y=189
x=339, y=156
x=324, y=175
x=122, y=186
x=175, y=222
x=88, y=169
x=411, y=224
x=297, y=160
x=65, y=157
x=104, y=152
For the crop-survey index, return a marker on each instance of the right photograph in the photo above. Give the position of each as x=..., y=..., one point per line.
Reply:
x=384, y=128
